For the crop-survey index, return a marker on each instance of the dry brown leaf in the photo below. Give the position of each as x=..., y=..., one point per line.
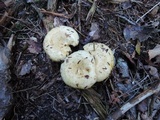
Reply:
x=154, y=52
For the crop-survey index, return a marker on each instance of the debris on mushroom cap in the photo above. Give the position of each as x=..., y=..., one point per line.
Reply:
x=78, y=70
x=104, y=59
x=57, y=42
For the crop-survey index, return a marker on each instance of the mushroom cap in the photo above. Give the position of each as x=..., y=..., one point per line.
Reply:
x=58, y=40
x=104, y=59
x=78, y=70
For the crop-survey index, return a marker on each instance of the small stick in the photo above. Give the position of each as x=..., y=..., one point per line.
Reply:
x=91, y=11
x=147, y=93
x=56, y=14
x=79, y=15
x=147, y=12
x=123, y=17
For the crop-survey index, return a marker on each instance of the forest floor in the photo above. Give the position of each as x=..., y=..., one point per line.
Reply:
x=131, y=28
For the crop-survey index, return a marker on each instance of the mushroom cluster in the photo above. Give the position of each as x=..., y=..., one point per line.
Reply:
x=83, y=68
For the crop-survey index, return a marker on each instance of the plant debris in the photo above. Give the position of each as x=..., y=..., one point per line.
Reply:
x=134, y=32
x=154, y=52
x=129, y=27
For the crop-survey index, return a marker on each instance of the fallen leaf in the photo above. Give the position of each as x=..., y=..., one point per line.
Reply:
x=25, y=69
x=34, y=47
x=154, y=11
x=94, y=31
x=134, y=32
x=57, y=22
x=152, y=71
x=143, y=106
x=154, y=52
x=126, y=5
x=48, y=23
x=122, y=68
x=138, y=47
x=33, y=38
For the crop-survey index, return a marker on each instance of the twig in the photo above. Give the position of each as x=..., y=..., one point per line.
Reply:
x=147, y=93
x=57, y=14
x=147, y=12
x=91, y=11
x=123, y=17
x=7, y=16
x=79, y=15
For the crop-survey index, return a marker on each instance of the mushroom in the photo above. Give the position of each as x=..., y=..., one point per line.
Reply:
x=78, y=70
x=58, y=40
x=104, y=59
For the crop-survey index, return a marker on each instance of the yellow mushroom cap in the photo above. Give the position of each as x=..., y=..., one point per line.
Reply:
x=78, y=70
x=58, y=40
x=104, y=59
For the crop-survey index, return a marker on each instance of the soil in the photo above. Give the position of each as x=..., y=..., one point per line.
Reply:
x=38, y=89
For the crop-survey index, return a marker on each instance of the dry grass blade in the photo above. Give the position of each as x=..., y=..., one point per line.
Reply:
x=93, y=99
x=92, y=11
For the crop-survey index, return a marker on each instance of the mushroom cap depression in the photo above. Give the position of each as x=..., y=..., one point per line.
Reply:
x=104, y=59
x=57, y=42
x=78, y=70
